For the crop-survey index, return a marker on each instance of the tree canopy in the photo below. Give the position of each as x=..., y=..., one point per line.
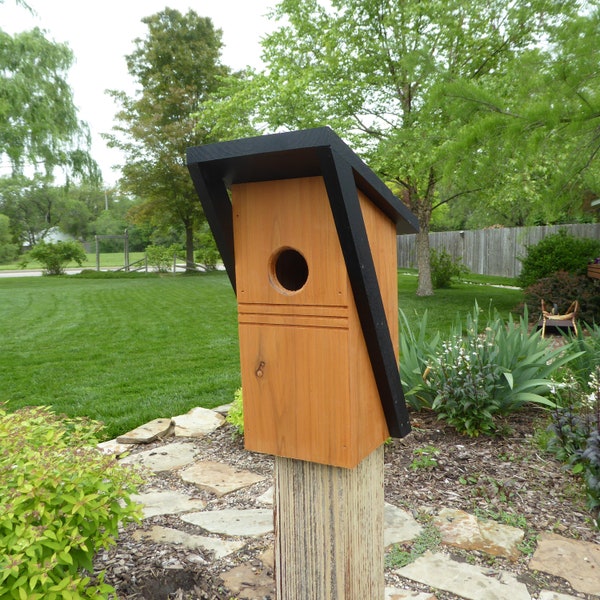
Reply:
x=391, y=78
x=175, y=66
x=39, y=127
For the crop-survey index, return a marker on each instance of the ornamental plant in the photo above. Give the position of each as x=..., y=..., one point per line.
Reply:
x=490, y=371
x=61, y=500
x=575, y=433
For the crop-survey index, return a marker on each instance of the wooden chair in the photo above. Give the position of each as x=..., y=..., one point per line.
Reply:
x=564, y=322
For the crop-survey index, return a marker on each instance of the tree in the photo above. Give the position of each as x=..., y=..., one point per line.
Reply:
x=8, y=249
x=33, y=206
x=39, y=128
x=545, y=121
x=176, y=66
x=376, y=71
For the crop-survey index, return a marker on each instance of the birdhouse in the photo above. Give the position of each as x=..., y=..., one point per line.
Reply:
x=307, y=234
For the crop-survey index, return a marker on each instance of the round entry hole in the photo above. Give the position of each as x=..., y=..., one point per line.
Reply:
x=289, y=269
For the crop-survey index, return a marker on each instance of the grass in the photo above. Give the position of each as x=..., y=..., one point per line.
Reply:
x=446, y=305
x=130, y=349
x=122, y=351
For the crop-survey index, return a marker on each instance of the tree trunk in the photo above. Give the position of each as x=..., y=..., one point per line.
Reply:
x=189, y=248
x=425, y=287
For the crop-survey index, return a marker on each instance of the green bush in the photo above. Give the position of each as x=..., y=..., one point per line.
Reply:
x=235, y=416
x=207, y=253
x=575, y=433
x=557, y=252
x=61, y=500
x=55, y=257
x=161, y=257
x=561, y=288
x=489, y=371
x=444, y=268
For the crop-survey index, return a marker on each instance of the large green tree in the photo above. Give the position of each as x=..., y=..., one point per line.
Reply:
x=39, y=127
x=376, y=71
x=175, y=66
x=539, y=135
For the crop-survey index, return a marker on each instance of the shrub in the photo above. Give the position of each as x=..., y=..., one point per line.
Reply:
x=444, y=268
x=235, y=416
x=575, y=434
x=55, y=257
x=557, y=252
x=161, y=257
x=61, y=500
x=479, y=376
x=207, y=253
x=561, y=288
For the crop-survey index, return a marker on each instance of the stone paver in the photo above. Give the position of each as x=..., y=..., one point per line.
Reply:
x=465, y=531
x=578, y=562
x=397, y=594
x=197, y=422
x=249, y=582
x=167, y=535
x=232, y=522
x=113, y=448
x=468, y=581
x=546, y=595
x=398, y=526
x=150, y=432
x=219, y=478
x=165, y=458
x=167, y=502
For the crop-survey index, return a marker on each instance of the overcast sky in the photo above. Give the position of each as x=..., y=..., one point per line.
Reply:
x=100, y=34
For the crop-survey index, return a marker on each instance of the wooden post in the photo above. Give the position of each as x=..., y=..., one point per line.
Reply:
x=329, y=530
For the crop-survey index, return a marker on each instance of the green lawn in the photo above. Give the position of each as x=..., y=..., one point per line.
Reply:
x=119, y=350
x=127, y=350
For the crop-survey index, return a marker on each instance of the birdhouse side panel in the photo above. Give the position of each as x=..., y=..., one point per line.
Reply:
x=370, y=419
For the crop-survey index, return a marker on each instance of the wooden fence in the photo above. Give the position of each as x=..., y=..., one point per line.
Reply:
x=489, y=251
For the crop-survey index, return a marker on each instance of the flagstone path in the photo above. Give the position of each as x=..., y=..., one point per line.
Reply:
x=230, y=529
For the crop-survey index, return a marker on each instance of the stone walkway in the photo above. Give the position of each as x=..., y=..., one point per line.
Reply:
x=575, y=561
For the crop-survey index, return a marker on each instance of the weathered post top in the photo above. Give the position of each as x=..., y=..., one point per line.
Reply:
x=308, y=239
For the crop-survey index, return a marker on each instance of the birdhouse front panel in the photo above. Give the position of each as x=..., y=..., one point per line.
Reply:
x=308, y=386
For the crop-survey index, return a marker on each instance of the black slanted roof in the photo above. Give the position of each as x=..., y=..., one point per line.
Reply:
x=290, y=155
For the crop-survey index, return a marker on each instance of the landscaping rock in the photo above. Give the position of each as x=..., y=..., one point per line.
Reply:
x=250, y=522
x=197, y=422
x=164, y=458
x=150, y=432
x=167, y=535
x=250, y=582
x=399, y=526
x=464, y=580
x=219, y=478
x=113, y=448
x=578, y=562
x=396, y=594
x=462, y=530
x=167, y=503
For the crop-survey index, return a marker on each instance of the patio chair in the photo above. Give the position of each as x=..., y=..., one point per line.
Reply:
x=560, y=322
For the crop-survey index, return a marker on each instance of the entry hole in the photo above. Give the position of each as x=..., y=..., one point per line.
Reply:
x=290, y=269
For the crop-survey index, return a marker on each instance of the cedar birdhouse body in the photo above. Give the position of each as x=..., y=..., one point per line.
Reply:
x=310, y=239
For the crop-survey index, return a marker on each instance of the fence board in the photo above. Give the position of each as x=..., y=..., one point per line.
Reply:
x=489, y=251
